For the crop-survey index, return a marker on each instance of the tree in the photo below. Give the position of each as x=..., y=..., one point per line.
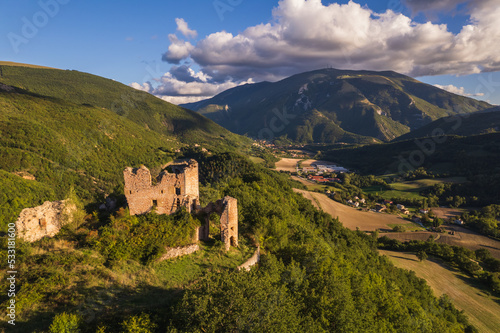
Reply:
x=138, y=324
x=65, y=323
x=422, y=255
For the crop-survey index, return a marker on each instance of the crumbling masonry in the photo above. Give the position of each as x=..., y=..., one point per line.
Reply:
x=175, y=190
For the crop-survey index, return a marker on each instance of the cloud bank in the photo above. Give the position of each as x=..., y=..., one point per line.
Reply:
x=306, y=35
x=457, y=90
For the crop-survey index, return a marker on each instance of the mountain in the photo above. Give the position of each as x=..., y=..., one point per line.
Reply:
x=330, y=105
x=487, y=121
x=62, y=129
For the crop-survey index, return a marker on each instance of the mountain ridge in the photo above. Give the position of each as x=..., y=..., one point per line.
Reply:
x=364, y=104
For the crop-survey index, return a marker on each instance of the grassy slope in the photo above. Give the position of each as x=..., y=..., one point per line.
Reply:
x=483, y=310
x=140, y=107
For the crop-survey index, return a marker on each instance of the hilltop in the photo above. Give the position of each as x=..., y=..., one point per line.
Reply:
x=331, y=105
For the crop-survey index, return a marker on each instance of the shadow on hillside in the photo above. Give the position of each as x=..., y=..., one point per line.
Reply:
x=106, y=307
x=480, y=286
x=404, y=258
x=470, y=281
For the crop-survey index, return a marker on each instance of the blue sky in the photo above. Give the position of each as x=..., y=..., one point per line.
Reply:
x=222, y=43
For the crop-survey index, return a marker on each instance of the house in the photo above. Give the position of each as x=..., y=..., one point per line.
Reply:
x=387, y=202
x=356, y=204
x=400, y=207
x=459, y=222
x=308, y=169
x=380, y=208
x=318, y=179
x=363, y=201
x=405, y=211
x=424, y=211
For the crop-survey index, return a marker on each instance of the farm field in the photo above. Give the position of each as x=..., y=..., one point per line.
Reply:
x=287, y=164
x=482, y=310
x=352, y=218
x=307, y=163
x=445, y=213
x=410, y=189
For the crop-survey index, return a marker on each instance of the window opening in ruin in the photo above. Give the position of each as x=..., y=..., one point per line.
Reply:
x=155, y=203
x=161, y=191
x=178, y=203
x=177, y=191
x=130, y=192
x=233, y=242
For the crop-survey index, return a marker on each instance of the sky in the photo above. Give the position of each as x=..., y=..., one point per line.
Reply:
x=184, y=51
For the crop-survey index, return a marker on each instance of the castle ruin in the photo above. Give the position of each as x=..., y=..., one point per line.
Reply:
x=175, y=190
x=171, y=191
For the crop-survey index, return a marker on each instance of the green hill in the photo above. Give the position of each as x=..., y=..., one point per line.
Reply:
x=329, y=105
x=63, y=129
x=487, y=121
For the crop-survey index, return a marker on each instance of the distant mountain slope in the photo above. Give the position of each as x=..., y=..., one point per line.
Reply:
x=334, y=105
x=487, y=121
x=451, y=155
x=63, y=129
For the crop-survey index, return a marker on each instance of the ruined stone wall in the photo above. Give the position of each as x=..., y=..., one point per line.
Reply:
x=179, y=251
x=45, y=220
x=254, y=260
x=229, y=222
x=171, y=192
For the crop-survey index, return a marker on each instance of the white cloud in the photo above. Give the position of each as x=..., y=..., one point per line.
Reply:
x=183, y=28
x=178, y=50
x=146, y=86
x=457, y=90
x=183, y=99
x=306, y=35
x=183, y=85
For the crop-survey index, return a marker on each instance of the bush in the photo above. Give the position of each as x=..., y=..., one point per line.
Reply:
x=65, y=323
x=138, y=324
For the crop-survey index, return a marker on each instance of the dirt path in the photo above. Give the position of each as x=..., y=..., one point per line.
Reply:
x=352, y=218
x=303, y=181
x=483, y=311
